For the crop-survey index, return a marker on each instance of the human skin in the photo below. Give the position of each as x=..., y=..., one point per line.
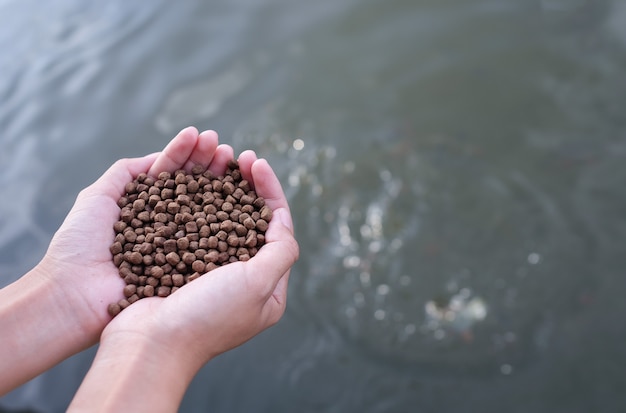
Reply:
x=60, y=307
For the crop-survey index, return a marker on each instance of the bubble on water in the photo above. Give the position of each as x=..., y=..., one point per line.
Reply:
x=344, y=234
x=349, y=167
x=534, y=258
x=396, y=244
x=344, y=212
x=439, y=334
x=459, y=314
x=405, y=280
x=330, y=152
x=365, y=278
x=375, y=246
x=366, y=231
x=282, y=147
x=452, y=286
x=351, y=312
x=385, y=175
x=294, y=179
x=373, y=222
x=465, y=293
x=506, y=369
x=359, y=299
x=317, y=189
x=351, y=261
x=380, y=314
x=298, y=144
x=382, y=289
x=410, y=329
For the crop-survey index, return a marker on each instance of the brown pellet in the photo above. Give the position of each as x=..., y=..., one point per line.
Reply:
x=129, y=290
x=157, y=272
x=178, y=280
x=261, y=225
x=139, y=205
x=148, y=291
x=119, y=226
x=244, y=185
x=122, y=202
x=136, y=258
x=189, y=258
x=191, y=226
x=259, y=203
x=163, y=291
x=193, y=186
x=238, y=193
x=166, y=280
x=249, y=223
x=197, y=169
x=198, y=266
x=116, y=248
x=173, y=258
x=177, y=226
x=181, y=267
x=169, y=246
x=182, y=244
x=233, y=240
x=114, y=309
x=211, y=256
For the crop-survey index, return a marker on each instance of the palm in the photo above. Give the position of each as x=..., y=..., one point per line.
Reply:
x=80, y=249
x=79, y=252
x=238, y=300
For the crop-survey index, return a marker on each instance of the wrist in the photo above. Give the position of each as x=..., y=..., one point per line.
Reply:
x=33, y=315
x=74, y=315
x=140, y=374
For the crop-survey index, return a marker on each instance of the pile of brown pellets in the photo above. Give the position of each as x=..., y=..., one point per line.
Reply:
x=176, y=227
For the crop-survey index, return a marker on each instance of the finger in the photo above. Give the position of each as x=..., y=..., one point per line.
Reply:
x=176, y=153
x=267, y=185
x=276, y=257
x=204, y=150
x=245, y=161
x=223, y=154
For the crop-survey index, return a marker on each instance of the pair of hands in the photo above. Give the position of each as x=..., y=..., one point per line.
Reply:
x=201, y=320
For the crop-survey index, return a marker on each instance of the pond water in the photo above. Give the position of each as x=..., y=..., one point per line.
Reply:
x=455, y=168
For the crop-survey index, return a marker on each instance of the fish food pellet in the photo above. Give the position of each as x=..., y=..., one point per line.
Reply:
x=175, y=227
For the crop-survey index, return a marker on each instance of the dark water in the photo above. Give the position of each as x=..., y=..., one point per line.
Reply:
x=455, y=169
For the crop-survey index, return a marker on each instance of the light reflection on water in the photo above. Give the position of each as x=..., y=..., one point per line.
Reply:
x=405, y=274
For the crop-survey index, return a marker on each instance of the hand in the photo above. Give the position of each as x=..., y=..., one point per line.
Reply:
x=232, y=303
x=156, y=345
x=78, y=262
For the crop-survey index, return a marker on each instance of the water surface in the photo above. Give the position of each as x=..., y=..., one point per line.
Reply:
x=455, y=170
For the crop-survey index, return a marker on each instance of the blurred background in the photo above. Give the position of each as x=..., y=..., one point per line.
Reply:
x=455, y=168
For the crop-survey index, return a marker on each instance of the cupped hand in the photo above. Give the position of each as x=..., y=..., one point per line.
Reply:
x=226, y=307
x=78, y=262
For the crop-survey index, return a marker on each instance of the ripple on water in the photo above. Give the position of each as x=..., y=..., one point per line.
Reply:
x=456, y=270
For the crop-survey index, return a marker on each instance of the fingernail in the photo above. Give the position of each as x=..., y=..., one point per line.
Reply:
x=285, y=218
